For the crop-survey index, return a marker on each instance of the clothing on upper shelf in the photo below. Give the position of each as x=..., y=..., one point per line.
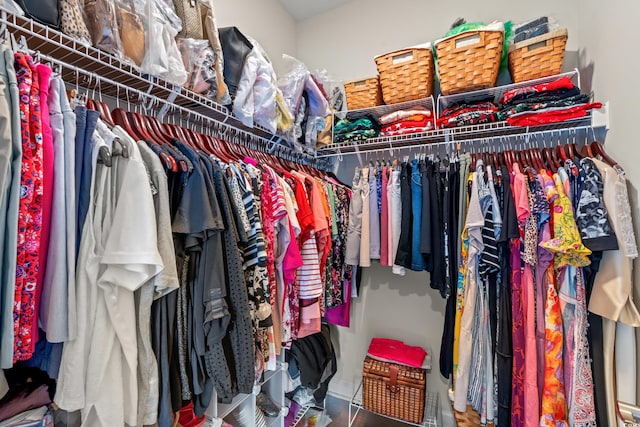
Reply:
x=404, y=122
x=356, y=127
x=551, y=102
x=465, y=114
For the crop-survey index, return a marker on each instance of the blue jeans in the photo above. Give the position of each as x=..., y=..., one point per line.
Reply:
x=86, y=121
x=417, y=260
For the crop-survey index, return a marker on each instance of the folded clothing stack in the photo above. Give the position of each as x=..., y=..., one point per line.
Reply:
x=404, y=122
x=531, y=29
x=467, y=114
x=544, y=103
x=394, y=351
x=356, y=127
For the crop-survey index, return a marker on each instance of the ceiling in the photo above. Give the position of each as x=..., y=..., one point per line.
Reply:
x=303, y=9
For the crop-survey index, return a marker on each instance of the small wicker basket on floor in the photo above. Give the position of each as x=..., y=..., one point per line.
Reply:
x=538, y=57
x=406, y=74
x=469, y=61
x=393, y=390
x=364, y=93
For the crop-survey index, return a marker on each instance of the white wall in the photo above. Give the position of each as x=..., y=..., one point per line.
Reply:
x=264, y=20
x=346, y=39
x=608, y=37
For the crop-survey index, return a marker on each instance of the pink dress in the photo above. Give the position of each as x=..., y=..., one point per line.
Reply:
x=384, y=221
x=43, y=73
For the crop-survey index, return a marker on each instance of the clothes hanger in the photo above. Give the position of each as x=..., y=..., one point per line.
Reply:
x=562, y=154
x=577, y=155
x=121, y=119
x=103, y=108
x=140, y=128
x=548, y=161
x=159, y=135
x=587, y=152
x=598, y=149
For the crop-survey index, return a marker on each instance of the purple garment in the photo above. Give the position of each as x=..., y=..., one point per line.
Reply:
x=544, y=260
x=517, y=310
x=339, y=315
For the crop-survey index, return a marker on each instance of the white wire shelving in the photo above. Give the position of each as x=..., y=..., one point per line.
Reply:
x=495, y=94
x=432, y=410
x=470, y=138
x=89, y=68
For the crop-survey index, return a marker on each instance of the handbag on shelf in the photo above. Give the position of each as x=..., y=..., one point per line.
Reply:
x=72, y=21
x=235, y=47
x=131, y=33
x=44, y=11
x=103, y=25
x=198, y=59
x=211, y=33
x=189, y=12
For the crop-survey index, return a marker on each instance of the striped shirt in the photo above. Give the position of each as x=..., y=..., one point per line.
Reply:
x=308, y=278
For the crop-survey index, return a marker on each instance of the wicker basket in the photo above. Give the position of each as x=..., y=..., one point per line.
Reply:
x=393, y=390
x=363, y=93
x=469, y=61
x=406, y=75
x=538, y=57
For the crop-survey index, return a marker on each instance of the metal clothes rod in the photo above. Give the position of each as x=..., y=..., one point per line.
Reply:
x=496, y=143
x=149, y=103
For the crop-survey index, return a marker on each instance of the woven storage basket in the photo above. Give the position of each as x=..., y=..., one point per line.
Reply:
x=363, y=93
x=469, y=61
x=393, y=390
x=538, y=57
x=406, y=75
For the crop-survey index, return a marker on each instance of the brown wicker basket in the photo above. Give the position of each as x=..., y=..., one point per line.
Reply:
x=406, y=75
x=393, y=390
x=469, y=61
x=538, y=57
x=363, y=93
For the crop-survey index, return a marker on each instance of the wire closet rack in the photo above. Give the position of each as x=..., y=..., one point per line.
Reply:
x=89, y=68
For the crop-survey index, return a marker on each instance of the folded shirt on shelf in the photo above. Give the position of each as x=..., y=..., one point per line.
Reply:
x=357, y=135
x=397, y=352
x=401, y=115
x=466, y=114
x=535, y=106
x=523, y=93
x=406, y=131
x=413, y=124
x=552, y=115
x=545, y=103
x=356, y=127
